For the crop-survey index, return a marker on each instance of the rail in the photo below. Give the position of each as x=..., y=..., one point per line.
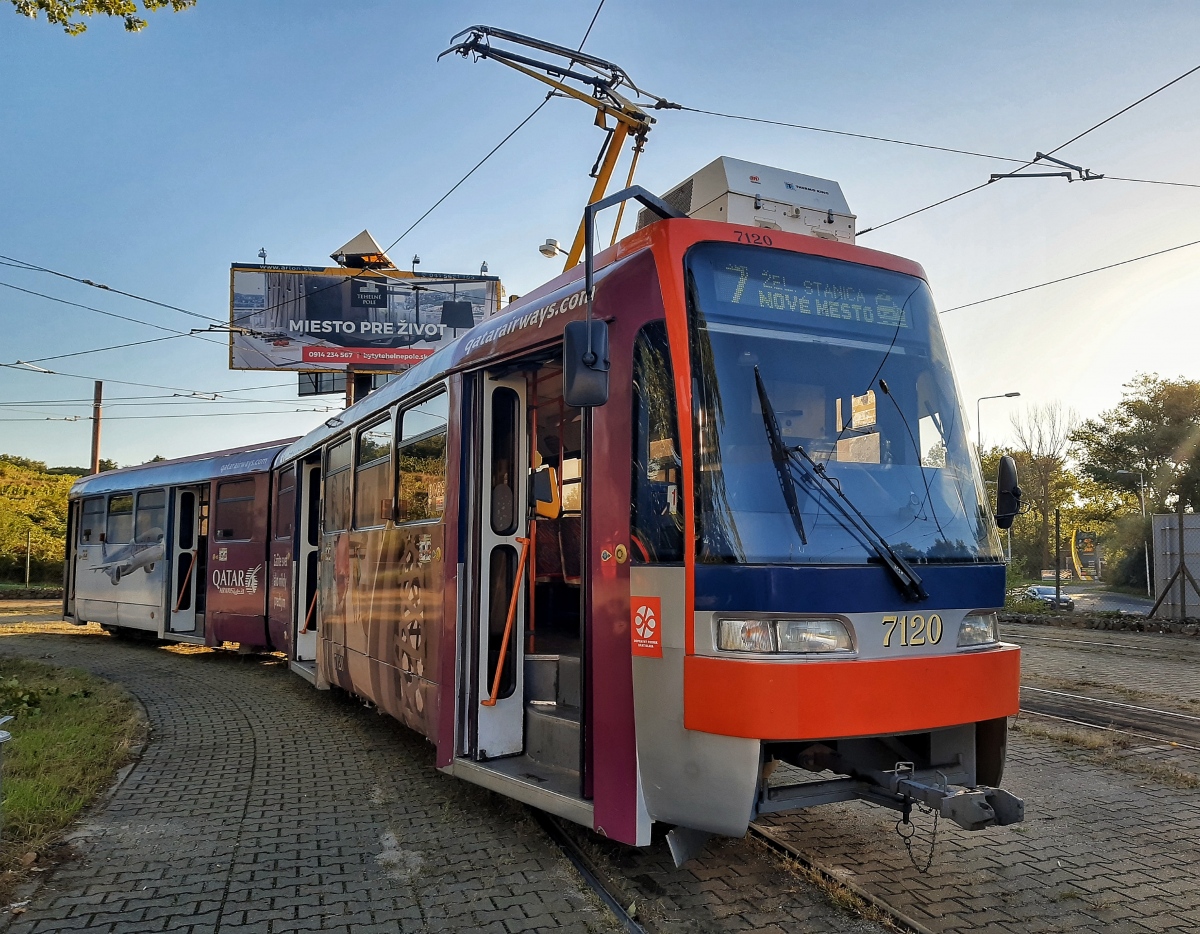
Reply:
x=508, y=623
x=187, y=579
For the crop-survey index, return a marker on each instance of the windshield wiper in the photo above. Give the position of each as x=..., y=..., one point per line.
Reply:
x=908, y=580
x=780, y=456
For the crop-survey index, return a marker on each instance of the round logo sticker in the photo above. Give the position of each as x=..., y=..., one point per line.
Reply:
x=644, y=622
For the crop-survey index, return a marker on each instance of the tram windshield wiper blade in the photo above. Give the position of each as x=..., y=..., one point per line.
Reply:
x=902, y=572
x=780, y=456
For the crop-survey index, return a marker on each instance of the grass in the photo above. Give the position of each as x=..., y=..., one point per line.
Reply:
x=1110, y=749
x=72, y=733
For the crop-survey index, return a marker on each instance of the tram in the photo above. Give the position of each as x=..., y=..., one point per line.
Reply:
x=692, y=533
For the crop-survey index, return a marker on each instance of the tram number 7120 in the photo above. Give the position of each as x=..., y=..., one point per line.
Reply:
x=914, y=630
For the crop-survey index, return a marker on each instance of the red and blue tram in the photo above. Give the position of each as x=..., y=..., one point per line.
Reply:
x=770, y=546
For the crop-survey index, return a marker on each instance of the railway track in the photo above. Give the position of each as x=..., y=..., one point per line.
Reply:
x=1150, y=723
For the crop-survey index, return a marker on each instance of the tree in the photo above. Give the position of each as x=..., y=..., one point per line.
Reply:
x=1155, y=430
x=1043, y=438
x=63, y=12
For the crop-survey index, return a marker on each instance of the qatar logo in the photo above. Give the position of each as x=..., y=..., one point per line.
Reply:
x=646, y=626
x=228, y=581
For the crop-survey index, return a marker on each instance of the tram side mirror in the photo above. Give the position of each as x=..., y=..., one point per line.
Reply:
x=545, y=493
x=585, y=377
x=1008, y=494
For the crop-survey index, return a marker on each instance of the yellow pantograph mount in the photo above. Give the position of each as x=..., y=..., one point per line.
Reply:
x=602, y=77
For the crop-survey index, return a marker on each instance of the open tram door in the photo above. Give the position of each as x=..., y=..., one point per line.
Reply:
x=306, y=609
x=188, y=551
x=523, y=718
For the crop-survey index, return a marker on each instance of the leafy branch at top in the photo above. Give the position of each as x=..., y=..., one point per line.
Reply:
x=65, y=13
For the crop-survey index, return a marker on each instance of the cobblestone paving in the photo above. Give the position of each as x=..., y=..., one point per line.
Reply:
x=1101, y=849
x=1163, y=667
x=262, y=805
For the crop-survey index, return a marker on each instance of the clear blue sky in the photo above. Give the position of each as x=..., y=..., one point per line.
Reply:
x=150, y=162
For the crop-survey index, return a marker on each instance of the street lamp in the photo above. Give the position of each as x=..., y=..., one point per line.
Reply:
x=551, y=249
x=978, y=425
x=1141, y=499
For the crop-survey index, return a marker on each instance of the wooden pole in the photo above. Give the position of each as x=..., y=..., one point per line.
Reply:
x=28, y=546
x=97, y=399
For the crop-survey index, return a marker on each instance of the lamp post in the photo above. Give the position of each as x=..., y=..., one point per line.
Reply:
x=978, y=424
x=1141, y=499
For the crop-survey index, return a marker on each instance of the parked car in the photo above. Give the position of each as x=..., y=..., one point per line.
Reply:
x=1046, y=595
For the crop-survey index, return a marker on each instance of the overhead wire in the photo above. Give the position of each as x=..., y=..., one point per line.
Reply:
x=1026, y=165
x=1078, y=275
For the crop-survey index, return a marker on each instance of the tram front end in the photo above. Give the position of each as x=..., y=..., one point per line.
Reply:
x=832, y=632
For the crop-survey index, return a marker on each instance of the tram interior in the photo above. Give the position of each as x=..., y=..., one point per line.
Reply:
x=553, y=643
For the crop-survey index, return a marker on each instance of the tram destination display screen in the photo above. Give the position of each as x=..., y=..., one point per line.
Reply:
x=842, y=302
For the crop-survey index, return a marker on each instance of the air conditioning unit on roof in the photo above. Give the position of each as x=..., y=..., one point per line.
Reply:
x=755, y=195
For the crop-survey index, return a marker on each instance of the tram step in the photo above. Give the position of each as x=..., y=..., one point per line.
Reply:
x=552, y=679
x=552, y=735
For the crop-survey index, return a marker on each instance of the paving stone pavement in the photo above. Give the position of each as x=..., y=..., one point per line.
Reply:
x=262, y=805
x=1101, y=849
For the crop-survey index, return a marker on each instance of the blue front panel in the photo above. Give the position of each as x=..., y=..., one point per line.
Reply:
x=793, y=589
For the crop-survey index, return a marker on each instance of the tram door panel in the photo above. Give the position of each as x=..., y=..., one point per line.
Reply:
x=306, y=605
x=185, y=553
x=503, y=494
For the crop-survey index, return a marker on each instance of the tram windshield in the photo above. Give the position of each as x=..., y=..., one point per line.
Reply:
x=855, y=367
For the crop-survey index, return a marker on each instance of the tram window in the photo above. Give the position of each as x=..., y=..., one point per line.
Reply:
x=572, y=485
x=285, y=502
x=120, y=519
x=505, y=469
x=235, y=511
x=93, y=520
x=337, y=487
x=657, y=520
x=422, y=460
x=151, y=517
x=373, y=476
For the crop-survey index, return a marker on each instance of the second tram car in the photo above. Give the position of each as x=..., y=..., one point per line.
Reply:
x=768, y=557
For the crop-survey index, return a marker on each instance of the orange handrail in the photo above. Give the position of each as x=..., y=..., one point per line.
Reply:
x=512, y=612
x=311, y=606
x=187, y=579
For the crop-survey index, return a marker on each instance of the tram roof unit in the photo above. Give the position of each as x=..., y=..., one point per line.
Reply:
x=257, y=458
x=719, y=181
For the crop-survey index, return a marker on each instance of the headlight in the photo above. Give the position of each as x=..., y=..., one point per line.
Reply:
x=784, y=635
x=979, y=629
x=813, y=635
x=747, y=635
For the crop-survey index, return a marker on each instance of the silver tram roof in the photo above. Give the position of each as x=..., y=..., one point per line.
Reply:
x=255, y=458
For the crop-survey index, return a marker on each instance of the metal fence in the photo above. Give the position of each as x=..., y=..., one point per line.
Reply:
x=1176, y=565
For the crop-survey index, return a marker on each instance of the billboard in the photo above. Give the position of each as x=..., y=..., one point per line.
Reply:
x=317, y=318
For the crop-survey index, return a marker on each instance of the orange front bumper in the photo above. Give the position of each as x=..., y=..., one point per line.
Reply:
x=828, y=700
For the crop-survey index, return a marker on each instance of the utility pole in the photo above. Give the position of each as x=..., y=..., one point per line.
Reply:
x=1183, y=571
x=28, y=548
x=97, y=399
x=1057, y=557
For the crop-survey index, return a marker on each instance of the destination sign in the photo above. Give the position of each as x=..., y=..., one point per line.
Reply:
x=840, y=299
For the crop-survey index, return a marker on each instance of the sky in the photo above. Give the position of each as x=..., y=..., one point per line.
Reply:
x=149, y=162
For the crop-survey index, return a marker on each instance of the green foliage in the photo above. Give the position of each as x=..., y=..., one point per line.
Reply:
x=17, y=699
x=32, y=501
x=1154, y=429
x=65, y=13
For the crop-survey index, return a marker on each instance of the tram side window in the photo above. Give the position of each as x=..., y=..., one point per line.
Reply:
x=151, y=519
x=92, y=523
x=285, y=502
x=422, y=460
x=656, y=522
x=235, y=511
x=373, y=476
x=337, y=487
x=120, y=519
